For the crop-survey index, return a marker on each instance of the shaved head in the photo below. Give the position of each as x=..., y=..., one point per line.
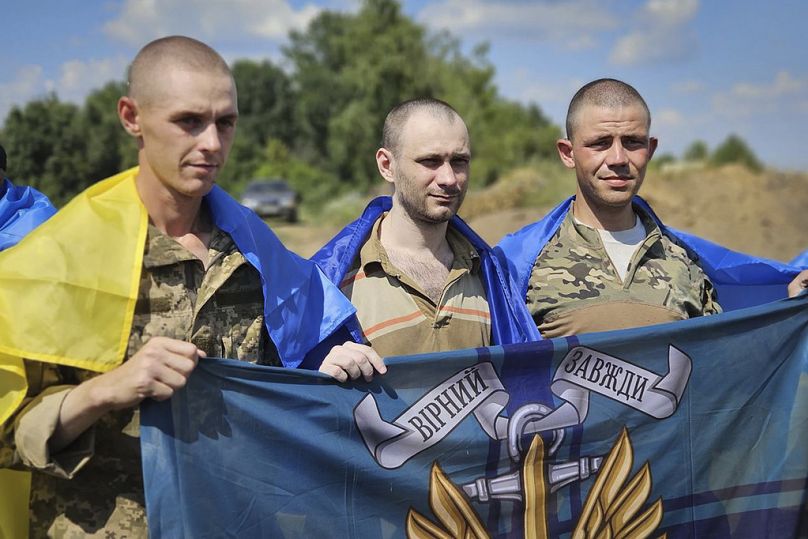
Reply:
x=606, y=93
x=398, y=116
x=170, y=53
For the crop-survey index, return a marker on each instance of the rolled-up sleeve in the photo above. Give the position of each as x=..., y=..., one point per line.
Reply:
x=26, y=434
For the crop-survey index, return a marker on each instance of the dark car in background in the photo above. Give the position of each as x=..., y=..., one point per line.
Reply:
x=272, y=198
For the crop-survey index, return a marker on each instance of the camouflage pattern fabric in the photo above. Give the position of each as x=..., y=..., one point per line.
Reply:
x=574, y=287
x=220, y=310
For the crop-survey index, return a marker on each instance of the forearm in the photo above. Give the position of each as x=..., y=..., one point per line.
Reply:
x=81, y=408
x=29, y=433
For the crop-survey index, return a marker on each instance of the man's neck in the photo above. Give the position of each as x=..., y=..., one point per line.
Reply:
x=604, y=218
x=178, y=216
x=419, y=249
x=174, y=214
x=400, y=232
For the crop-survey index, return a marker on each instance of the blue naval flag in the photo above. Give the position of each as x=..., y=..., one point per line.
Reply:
x=21, y=210
x=741, y=280
x=696, y=428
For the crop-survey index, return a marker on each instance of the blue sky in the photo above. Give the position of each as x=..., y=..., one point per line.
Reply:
x=707, y=68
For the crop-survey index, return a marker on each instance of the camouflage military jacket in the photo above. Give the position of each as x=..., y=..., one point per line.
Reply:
x=574, y=287
x=94, y=487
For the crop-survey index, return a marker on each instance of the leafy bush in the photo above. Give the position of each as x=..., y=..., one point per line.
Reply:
x=735, y=150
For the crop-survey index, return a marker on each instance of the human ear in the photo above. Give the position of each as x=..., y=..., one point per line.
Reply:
x=384, y=160
x=564, y=147
x=652, y=146
x=128, y=115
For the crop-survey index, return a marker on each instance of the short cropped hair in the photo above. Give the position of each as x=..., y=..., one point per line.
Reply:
x=609, y=93
x=170, y=52
x=398, y=116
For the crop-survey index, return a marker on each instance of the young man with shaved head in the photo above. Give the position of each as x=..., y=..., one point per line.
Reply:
x=209, y=279
x=602, y=260
x=421, y=280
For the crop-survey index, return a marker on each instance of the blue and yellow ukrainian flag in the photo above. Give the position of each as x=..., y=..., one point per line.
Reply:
x=83, y=295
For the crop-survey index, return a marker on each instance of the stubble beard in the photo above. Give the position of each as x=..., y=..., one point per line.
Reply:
x=608, y=199
x=416, y=207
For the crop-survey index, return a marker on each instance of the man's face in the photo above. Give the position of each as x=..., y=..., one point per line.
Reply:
x=609, y=150
x=431, y=168
x=186, y=129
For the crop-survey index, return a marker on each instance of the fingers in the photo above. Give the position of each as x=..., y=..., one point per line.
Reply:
x=169, y=361
x=799, y=284
x=159, y=368
x=370, y=355
x=334, y=371
x=176, y=348
x=160, y=391
x=352, y=360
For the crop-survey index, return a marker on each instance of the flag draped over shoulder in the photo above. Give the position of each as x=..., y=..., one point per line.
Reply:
x=21, y=210
x=801, y=260
x=693, y=428
x=741, y=280
x=67, y=293
x=510, y=323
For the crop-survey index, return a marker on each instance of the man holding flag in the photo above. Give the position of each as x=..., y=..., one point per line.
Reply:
x=602, y=260
x=117, y=298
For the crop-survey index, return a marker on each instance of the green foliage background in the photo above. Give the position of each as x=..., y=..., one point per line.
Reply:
x=316, y=124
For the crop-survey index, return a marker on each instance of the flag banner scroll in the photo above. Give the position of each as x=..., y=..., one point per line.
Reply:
x=691, y=429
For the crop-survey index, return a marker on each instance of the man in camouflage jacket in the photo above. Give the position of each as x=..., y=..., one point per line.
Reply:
x=214, y=281
x=602, y=260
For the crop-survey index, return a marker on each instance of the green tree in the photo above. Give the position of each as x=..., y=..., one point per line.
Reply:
x=349, y=71
x=266, y=104
x=109, y=149
x=697, y=151
x=661, y=160
x=318, y=125
x=735, y=150
x=46, y=144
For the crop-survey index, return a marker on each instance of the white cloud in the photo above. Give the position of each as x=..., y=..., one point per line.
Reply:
x=544, y=92
x=671, y=12
x=573, y=23
x=688, y=87
x=728, y=107
x=77, y=78
x=26, y=83
x=663, y=36
x=142, y=20
x=668, y=117
x=784, y=84
x=785, y=93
